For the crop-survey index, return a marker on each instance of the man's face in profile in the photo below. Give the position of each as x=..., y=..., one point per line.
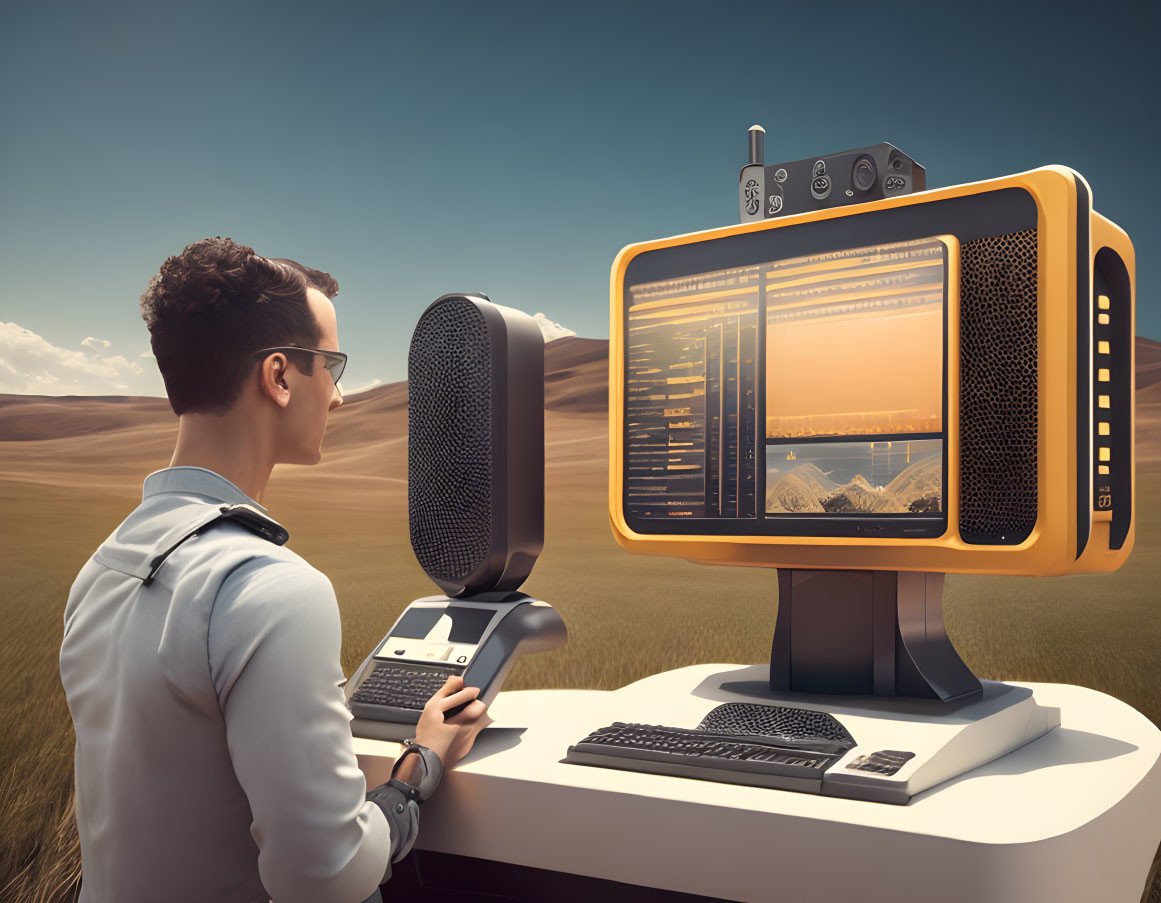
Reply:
x=313, y=396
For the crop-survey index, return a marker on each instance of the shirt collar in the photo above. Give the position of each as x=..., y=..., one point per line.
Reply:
x=196, y=481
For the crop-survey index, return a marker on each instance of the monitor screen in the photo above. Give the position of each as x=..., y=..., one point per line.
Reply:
x=804, y=395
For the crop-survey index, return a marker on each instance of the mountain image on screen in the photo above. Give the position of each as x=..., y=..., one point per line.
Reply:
x=799, y=491
x=807, y=489
x=859, y=497
x=919, y=488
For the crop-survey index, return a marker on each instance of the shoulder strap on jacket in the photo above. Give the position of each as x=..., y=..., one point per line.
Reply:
x=243, y=515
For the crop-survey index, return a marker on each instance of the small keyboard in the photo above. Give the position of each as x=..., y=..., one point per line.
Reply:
x=401, y=685
x=726, y=747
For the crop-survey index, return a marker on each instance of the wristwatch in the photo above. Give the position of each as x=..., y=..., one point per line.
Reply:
x=432, y=772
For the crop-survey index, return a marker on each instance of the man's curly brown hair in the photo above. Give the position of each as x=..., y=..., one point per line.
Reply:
x=215, y=304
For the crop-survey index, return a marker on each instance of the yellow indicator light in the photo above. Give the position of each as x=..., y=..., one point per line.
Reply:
x=1103, y=401
x=1103, y=470
x=1103, y=428
x=1103, y=319
x=1103, y=375
x=1103, y=347
x=1106, y=455
x=1103, y=302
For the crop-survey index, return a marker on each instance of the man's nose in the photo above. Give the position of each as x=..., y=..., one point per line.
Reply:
x=336, y=398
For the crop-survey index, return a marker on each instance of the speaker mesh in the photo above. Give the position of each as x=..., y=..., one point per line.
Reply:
x=449, y=450
x=998, y=386
x=775, y=721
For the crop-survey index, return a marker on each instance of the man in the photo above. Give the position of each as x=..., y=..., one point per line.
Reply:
x=200, y=658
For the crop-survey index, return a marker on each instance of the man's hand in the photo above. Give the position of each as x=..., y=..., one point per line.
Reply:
x=452, y=738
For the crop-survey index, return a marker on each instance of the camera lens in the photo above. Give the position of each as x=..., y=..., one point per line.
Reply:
x=864, y=173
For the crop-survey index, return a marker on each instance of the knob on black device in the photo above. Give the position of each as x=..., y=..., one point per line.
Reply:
x=475, y=499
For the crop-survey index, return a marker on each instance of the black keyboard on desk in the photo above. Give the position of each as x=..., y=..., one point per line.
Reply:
x=737, y=743
x=401, y=685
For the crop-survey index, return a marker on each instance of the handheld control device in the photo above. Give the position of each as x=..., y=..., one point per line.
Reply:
x=438, y=637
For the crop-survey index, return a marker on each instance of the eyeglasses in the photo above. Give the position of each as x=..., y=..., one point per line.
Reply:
x=334, y=361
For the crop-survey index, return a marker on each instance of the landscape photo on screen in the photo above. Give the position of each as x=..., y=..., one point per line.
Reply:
x=892, y=477
x=854, y=381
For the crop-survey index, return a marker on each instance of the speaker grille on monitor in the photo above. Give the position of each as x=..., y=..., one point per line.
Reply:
x=998, y=389
x=449, y=451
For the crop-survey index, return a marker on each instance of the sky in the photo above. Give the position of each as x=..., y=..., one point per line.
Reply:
x=413, y=150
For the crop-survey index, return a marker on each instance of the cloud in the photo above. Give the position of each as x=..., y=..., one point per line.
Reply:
x=550, y=330
x=347, y=393
x=31, y=365
x=119, y=362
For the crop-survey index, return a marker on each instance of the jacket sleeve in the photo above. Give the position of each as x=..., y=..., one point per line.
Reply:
x=274, y=643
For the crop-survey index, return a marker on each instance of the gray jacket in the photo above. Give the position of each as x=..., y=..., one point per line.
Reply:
x=214, y=758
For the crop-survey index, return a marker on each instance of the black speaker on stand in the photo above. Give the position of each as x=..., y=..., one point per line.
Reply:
x=475, y=494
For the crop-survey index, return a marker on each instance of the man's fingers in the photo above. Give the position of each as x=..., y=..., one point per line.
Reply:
x=453, y=684
x=474, y=711
x=467, y=694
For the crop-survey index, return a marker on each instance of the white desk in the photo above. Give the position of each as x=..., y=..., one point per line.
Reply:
x=1072, y=816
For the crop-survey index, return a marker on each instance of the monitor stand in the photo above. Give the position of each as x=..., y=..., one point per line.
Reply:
x=866, y=632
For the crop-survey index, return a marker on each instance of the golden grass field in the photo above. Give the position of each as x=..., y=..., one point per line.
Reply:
x=71, y=469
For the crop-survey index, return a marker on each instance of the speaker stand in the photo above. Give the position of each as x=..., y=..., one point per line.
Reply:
x=866, y=632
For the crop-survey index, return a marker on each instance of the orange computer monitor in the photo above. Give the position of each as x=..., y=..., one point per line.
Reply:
x=936, y=382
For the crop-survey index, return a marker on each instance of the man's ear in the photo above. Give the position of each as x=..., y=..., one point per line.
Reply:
x=272, y=379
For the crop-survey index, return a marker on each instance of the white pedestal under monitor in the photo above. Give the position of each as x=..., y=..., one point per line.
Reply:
x=1073, y=814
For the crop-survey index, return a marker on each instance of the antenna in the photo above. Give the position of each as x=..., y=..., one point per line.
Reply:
x=757, y=144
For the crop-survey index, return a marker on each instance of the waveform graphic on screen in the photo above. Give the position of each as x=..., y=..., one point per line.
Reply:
x=854, y=342
x=690, y=396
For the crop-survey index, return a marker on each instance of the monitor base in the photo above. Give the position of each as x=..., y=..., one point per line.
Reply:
x=866, y=632
x=904, y=746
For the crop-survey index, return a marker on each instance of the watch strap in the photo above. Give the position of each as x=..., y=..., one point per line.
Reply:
x=432, y=769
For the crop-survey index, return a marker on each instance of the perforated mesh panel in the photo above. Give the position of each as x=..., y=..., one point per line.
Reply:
x=998, y=385
x=449, y=451
x=774, y=721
